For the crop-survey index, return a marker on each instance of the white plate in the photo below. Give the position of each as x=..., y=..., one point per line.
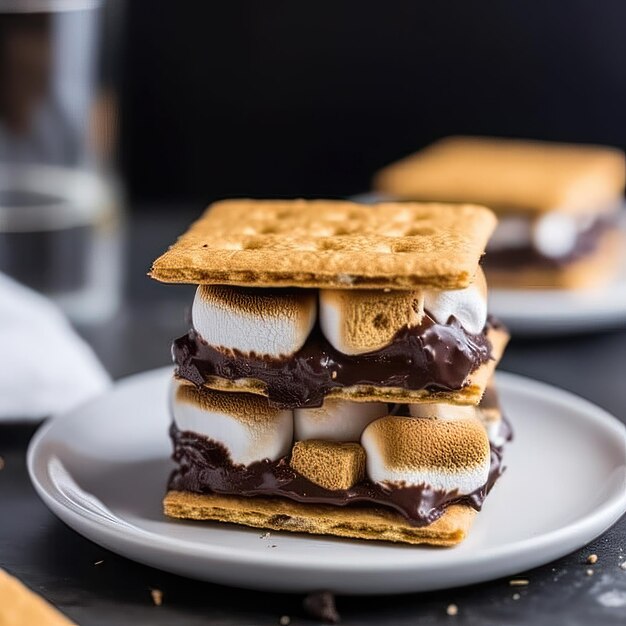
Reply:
x=555, y=312
x=103, y=468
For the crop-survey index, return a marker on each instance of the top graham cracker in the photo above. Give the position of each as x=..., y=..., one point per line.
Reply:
x=330, y=244
x=509, y=175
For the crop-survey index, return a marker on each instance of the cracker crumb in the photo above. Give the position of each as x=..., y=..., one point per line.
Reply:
x=1, y=463
x=285, y=620
x=589, y=572
x=516, y=596
x=592, y=558
x=100, y=562
x=333, y=374
x=452, y=609
x=519, y=582
x=157, y=596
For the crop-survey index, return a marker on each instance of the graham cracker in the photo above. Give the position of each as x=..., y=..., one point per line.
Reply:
x=330, y=464
x=330, y=244
x=509, y=175
x=19, y=606
x=358, y=523
x=471, y=393
x=593, y=270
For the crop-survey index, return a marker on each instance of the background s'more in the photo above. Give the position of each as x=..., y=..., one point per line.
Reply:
x=558, y=204
x=334, y=378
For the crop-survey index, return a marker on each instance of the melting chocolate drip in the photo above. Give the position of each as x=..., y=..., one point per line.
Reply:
x=431, y=356
x=204, y=466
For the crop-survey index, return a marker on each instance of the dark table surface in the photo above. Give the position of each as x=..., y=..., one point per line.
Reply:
x=60, y=564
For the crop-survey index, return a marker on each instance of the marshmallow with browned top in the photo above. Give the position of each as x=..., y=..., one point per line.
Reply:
x=450, y=455
x=274, y=322
x=246, y=425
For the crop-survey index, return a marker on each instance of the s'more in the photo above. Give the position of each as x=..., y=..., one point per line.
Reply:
x=558, y=204
x=334, y=377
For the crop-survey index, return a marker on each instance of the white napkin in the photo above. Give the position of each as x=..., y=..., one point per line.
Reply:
x=45, y=367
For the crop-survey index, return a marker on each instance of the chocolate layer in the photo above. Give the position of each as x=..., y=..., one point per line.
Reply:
x=586, y=243
x=431, y=356
x=204, y=466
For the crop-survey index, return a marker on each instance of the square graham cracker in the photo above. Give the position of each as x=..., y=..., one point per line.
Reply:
x=377, y=523
x=509, y=175
x=330, y=244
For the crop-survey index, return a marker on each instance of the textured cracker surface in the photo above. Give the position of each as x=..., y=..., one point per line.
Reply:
x=19, y=606
x=470, y=394
x=358, y=523
x=508, y=175
x=323, y=243
x=592, y=270
x=369, y=319
x=332, y=465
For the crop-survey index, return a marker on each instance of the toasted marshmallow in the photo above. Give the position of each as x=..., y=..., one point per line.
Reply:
x=274, y=322
x=246, y=425
x=360, y=321
x=447, y=455
x=336, y=420
x=468, y=305
x=442, y=411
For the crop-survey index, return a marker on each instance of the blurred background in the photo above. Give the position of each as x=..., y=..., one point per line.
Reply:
x=120, y=121
x=309, y=98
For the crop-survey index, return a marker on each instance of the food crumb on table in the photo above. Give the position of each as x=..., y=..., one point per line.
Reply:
x=452, y=609
x=157, y=596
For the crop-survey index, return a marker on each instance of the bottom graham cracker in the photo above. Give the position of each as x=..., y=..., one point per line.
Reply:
x=317, y=519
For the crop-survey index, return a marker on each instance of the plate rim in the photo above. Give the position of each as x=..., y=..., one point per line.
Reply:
x=604, y=516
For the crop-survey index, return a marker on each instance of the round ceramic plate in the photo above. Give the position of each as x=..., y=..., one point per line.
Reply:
x=558, y=312
x=103, y=469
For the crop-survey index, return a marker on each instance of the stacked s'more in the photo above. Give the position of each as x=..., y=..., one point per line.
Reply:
x=337, y=378
x=558, y=204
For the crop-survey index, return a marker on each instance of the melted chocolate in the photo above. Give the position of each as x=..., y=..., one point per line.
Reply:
x=430, y=356
x=204, y=466
x=586, y=243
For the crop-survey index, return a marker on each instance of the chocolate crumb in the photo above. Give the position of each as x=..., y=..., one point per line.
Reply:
x=518, y=582
x=100, y=562
x=285, y=620
x=321, y=605
x=592, y=558
x=452, y=609
x=516, y=596
x=157, y=596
